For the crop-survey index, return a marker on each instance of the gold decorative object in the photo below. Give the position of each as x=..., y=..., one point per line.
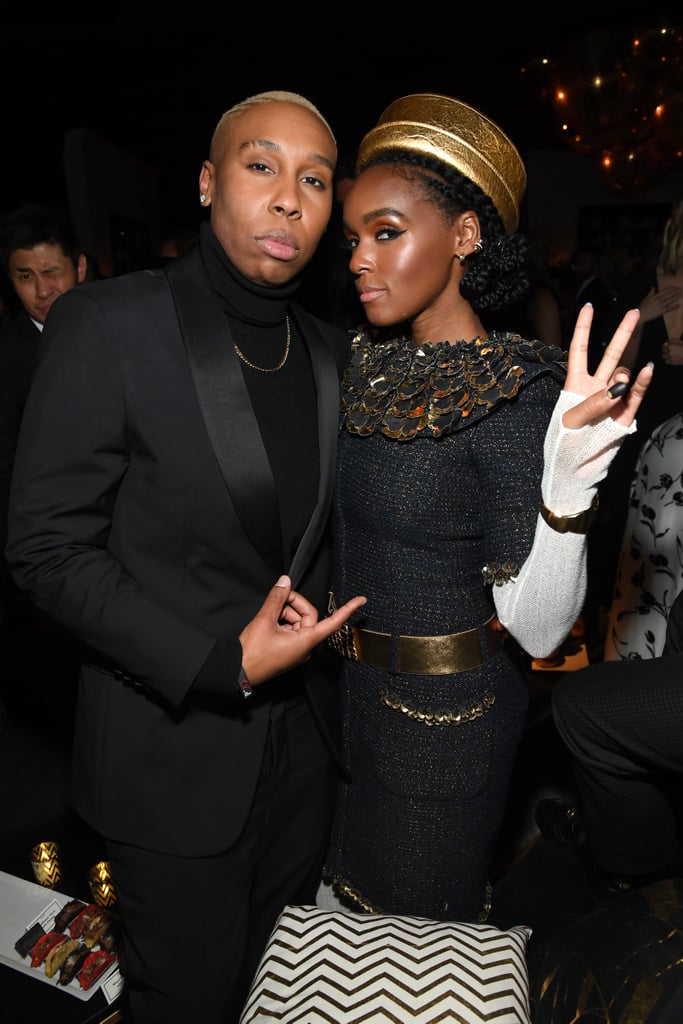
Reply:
x=45, y=864
x=101, y=885
x=458, y=135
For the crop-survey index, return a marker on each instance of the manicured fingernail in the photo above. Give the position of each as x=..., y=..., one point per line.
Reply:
x=282, y=582
x=617, y=389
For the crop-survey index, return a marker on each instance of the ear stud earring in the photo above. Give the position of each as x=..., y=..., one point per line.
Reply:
x=202, y=198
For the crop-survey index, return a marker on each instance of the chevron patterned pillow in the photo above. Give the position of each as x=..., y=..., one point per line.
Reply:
x=328, y=967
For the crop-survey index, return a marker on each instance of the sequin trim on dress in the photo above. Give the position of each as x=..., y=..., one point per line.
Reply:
x=344, y=888
x=459, y=717
x=499, y=573
x=402, y=391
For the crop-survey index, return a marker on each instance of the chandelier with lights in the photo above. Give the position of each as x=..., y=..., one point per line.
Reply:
x=620, y=102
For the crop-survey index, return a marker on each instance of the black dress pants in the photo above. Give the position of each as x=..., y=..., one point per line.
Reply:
x=622, y=722
x=194, y=930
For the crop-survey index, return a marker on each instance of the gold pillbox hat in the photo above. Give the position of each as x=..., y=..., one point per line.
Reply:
x=458, y=135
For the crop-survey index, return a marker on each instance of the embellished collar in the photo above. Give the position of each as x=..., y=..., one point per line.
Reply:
x=402, y=391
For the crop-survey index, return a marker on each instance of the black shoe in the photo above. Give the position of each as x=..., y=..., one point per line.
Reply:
x=560, y=823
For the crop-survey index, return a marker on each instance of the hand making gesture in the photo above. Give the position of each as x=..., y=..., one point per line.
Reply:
x=285, y=631
x=598, y=389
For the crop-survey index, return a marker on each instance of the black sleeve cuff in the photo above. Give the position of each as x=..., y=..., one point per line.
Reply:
x=220, y=673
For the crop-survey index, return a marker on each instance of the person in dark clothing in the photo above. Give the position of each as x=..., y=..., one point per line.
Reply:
x=42, y=259
x=456, y=443
x=622, y=723
x=192, y=465
x=657, y=292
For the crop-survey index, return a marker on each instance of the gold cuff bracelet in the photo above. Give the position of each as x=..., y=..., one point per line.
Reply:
x=580, y=522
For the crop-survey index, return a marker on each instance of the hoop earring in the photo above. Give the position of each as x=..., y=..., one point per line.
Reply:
x=478, y=245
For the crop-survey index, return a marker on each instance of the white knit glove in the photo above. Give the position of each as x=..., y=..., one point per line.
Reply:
x=540, y=605
x=575, y=461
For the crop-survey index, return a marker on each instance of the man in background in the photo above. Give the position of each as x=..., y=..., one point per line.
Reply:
x=42, y=259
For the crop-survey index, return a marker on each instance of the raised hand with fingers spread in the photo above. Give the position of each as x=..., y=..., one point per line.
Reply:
x=598, y=389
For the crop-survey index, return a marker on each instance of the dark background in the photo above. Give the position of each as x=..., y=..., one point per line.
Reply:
x=157, y=89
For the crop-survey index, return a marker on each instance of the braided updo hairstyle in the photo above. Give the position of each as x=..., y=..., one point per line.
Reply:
x=498, y=275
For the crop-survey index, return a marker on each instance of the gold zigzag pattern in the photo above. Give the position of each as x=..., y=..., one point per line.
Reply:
x=48, y=873
x=323, y=967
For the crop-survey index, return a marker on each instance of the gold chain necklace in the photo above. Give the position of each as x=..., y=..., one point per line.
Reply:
x=267, y=369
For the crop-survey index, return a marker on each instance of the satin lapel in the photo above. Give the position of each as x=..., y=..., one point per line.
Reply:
x=328, y=391
x=226, y=408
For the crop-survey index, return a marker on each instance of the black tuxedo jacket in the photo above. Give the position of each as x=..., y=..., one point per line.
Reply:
x=141, y=518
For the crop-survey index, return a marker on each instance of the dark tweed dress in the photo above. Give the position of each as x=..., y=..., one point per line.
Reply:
x=437, y=494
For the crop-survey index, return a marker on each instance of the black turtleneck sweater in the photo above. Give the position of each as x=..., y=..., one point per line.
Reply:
x=285, y=406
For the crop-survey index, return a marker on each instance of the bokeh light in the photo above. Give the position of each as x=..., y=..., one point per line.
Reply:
x=618, y=98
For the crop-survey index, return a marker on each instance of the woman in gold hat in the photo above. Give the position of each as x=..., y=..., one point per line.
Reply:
x=468, y=468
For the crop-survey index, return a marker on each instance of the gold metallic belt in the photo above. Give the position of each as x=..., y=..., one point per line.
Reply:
x=416, y=655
